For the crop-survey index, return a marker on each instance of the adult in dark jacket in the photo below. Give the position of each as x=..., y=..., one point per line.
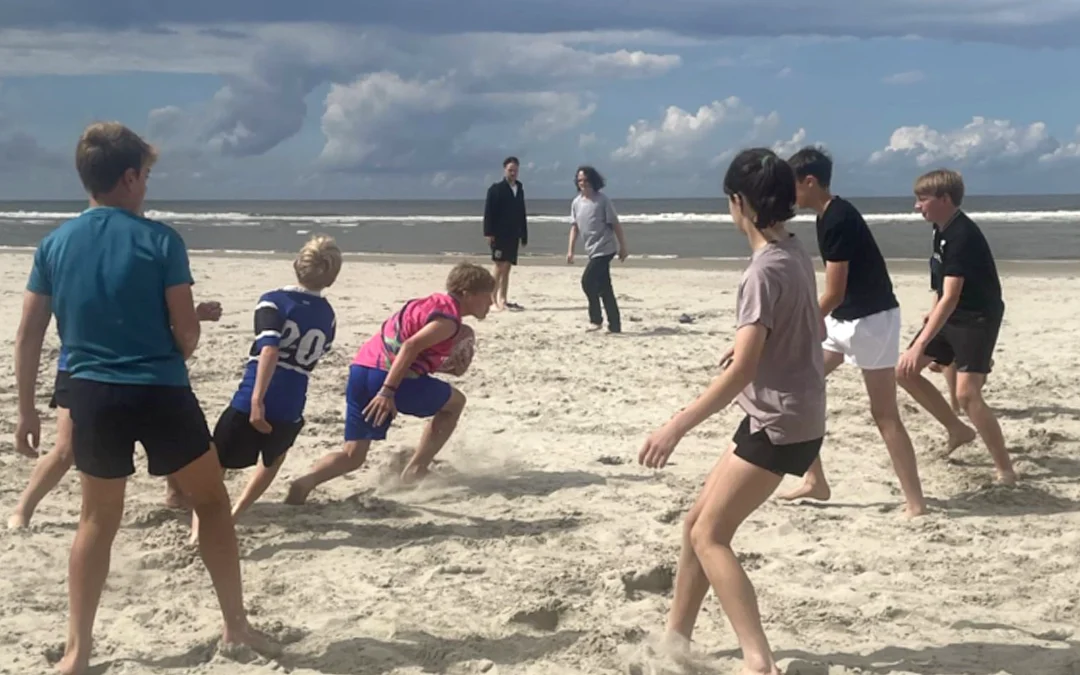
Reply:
x=506, y=228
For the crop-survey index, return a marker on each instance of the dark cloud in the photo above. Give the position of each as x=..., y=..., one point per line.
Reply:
x=1027, y=22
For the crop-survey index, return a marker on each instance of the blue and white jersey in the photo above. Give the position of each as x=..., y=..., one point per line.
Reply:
x=301, y=324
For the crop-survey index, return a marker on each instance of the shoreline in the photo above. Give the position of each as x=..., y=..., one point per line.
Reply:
x=1024, y=268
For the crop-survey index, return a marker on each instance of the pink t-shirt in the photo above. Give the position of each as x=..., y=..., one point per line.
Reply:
x=381, y=349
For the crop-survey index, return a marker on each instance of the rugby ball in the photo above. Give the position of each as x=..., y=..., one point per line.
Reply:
x=461, y=354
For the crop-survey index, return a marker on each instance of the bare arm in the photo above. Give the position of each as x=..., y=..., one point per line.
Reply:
x=836, y=276
x=621, y=236
x=183, y=318
x=36, y=315
x=570, y=243
x=943, y=309
x=264, y=372
x=430, y=335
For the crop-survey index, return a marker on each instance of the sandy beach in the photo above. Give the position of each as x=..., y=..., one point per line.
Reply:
x=541, y=547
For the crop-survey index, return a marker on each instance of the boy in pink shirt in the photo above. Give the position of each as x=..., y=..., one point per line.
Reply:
x=392, y=373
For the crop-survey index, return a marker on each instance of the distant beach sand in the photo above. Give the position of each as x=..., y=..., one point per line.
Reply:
x=541, y=547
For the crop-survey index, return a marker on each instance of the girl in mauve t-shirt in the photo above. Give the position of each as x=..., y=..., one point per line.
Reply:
x=775, y=372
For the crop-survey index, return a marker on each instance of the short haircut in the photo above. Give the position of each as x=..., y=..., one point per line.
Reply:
x=467, y=278
x=105, y=152
x=941, y=182
x=812, y=161
x=765, y=182
x=592, y=175
x=318, y=263
x=510, y=160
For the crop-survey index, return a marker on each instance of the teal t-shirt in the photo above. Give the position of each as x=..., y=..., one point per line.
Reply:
x=106, y=272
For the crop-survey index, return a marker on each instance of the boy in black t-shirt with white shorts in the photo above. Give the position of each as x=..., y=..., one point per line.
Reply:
x=962, y=328
x=862, y=320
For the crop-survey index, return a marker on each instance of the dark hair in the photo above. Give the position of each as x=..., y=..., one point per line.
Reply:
x=510, y=160
x=105, y=152
x=591, y=175
x=812, y=161
x=765, y=182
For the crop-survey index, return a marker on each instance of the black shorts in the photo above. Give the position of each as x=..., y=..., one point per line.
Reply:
x=966, y=339
x=505, y=250
x=110, y=418
x=239, y=444
x=790, y=458
x=61, y=396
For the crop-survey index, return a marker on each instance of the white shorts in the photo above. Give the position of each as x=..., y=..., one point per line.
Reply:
x=870, y=343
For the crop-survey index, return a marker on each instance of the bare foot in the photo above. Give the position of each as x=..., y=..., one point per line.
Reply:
x=175, y=500
x=593, y=327
x=914, y=511
x=819, y=491
x=754, y=671
x=234, y=641
x=73, y=663
x=1006, y=478
x=960, y=438
x=414, y=474
x=298, y=493
x=18, y=521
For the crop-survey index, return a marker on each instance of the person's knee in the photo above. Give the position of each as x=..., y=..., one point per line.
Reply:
x=707, y=532
x=968, y=396
x=357, y=452
x=455, y=404
x=885, y=413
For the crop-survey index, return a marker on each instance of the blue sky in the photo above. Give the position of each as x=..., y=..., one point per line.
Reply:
x=251, y=99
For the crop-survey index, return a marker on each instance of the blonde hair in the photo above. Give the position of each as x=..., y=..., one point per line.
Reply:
x=939, y=183
x=105, y=152
x=318, y=263
x=469, y=278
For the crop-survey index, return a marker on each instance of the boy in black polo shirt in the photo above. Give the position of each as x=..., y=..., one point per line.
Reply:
x=862, y=320
x=962, y=328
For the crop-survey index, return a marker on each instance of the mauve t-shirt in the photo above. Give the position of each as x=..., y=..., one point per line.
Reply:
x=779, y=291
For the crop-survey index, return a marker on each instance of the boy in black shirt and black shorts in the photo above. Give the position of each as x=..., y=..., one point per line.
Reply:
x=962, y=328
x=862, y=320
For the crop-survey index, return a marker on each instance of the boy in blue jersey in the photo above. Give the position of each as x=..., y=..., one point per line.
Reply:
x=294, y=327
x=120, y=287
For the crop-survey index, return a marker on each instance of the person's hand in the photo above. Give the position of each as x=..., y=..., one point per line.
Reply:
x=380, y=409
x=491, y=240
x=258, y=418
x=725, y=360
x=28, y=434
x=570, y=258
x=908, y=364
x=208, y=311
x=624, y=253
x=658, y=447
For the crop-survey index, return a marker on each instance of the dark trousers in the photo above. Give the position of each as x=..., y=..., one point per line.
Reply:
x=596, y=282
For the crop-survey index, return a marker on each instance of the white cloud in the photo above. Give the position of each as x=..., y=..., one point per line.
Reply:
x=784, y=73
x=680, y=133
x=981, y=142
x=1066, y=151
x=906, y=77
x=586, y=140
x=789, y=147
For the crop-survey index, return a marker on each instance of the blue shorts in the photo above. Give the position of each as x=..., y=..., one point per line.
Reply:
x=417, y=396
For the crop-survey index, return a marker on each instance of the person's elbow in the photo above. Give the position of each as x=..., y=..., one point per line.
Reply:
x=187, y=338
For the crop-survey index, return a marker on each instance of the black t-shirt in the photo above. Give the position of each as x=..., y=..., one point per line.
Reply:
x=961, y=250
x=843, y=236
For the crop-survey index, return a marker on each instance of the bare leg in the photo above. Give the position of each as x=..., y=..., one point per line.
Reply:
x=691, y=584
x=88, y=566
x=881, y=388
x=950, y=379
x=174, y=498
x=330, y=466
x=969, y=391
x=260, y=481
x=47, y=472
x=502, y=282
x=194, y=538
x=927, y=395
x=739, y=490
x=201, y=483
x=814, y=485
x=435, y=435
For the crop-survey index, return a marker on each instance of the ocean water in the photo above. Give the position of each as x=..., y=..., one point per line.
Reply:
x=1018, y=227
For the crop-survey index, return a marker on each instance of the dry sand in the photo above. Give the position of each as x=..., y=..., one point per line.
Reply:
x=542, y=548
